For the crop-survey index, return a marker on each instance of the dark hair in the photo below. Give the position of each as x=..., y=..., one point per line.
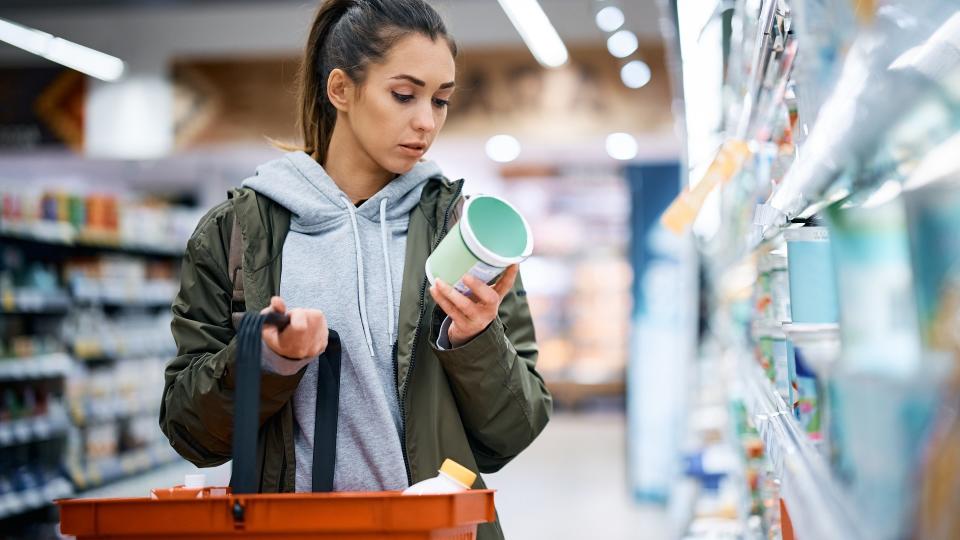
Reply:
x=349, y=35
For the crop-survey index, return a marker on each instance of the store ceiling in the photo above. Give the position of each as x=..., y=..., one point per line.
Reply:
x=156, y=30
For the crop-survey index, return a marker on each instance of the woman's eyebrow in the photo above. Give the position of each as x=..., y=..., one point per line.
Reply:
x=418, y=82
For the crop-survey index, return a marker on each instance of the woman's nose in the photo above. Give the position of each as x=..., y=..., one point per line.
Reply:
x=423, y=120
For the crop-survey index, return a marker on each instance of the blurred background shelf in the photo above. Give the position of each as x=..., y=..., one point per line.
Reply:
x=819, y=506
x=63, y=239
x=54, y=423
x=101, y=472
x=14, y=503
x=35, y=367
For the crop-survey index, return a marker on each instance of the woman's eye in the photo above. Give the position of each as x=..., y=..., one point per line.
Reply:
x=402, y=98
x=441, y=103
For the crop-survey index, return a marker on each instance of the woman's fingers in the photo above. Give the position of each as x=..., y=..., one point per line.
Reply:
x=318, y=332
x=481, y=292
x=466, y=306
x=305, y=337
x=446, y=305
x=506, y=281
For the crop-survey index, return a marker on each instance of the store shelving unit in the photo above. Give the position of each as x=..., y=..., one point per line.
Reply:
x=63, y=236
x=818, y=505
x=86, y=344
x=842, y=128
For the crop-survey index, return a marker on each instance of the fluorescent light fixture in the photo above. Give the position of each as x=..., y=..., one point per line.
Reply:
x=622, y=146
x=70, y=54
x=623, y=43
x=610, y=18
x=537, y=32
x=503, y=148
x=635, y=73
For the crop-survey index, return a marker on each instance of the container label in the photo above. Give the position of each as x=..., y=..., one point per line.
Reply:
x=482, y=271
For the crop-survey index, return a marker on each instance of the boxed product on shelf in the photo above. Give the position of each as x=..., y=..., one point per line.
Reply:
x=114, y=411
x=96, y=218
x=90, y=334
x=121, y=280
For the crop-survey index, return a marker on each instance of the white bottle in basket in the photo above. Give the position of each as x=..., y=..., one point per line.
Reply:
x=453, y=478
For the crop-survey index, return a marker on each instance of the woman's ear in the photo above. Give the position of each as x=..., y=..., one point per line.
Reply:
x=339, y=87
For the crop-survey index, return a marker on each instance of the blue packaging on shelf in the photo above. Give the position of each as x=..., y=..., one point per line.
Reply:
x=813, y=291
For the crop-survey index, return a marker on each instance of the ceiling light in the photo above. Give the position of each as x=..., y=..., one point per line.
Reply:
x=622, y=44
x=70, y=54
x=536, y=30
x=635, y=74
x=622, y=146
x=610, y=18
x=503, y=148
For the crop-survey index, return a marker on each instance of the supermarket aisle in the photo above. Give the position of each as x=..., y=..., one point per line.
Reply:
x=571, y=484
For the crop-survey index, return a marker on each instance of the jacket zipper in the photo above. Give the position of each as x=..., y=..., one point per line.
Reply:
x=283, y=472
x=402, y=389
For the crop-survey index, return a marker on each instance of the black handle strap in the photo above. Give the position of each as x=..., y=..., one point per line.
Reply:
x=325, y=418
x=247, y=405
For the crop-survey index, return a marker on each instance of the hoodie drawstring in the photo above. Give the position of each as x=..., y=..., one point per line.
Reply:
x=386, y=260
x=361, y=289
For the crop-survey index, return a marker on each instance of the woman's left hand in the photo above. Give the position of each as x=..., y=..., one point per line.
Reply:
x=470, y=315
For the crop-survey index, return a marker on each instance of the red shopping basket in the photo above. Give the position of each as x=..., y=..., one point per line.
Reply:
x=242, y=513
x=353, y=516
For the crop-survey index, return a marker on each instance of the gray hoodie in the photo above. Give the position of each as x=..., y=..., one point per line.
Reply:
x=346, y=261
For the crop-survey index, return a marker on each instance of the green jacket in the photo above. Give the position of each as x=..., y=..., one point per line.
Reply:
x=479, y=404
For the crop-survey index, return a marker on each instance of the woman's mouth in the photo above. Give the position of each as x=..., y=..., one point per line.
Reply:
x=413, y=149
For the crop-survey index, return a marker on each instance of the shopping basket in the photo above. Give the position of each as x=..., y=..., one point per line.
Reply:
x=239, y=512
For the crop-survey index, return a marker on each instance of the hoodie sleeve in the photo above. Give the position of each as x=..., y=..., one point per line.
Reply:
x=196, y=413
x=503, y=401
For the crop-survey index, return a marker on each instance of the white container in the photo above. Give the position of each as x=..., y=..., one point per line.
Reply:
x=195, y=481
x=452, y=478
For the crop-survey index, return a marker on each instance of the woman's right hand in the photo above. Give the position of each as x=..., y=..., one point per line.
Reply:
x=305, y=337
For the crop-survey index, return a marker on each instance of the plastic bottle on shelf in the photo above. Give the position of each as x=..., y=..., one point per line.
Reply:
x=452, y=478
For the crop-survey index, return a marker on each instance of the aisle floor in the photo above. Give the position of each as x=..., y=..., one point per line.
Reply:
x=569, y=485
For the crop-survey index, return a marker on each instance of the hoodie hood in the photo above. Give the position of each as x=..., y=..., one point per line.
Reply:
x=301, y=185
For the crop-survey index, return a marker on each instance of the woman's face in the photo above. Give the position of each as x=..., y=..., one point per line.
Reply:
x=402, y=105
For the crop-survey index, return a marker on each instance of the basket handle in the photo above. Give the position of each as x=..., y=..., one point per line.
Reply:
x=246, y=413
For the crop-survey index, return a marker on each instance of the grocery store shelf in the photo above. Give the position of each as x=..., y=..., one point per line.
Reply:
x=30, y=302
x=19, y=502
x=37, y=428
x=149, y=293
x=36, y=367
x=100, y=472
x=64, y=235
x=819, y=507
x=87, y=412
x=93, y=350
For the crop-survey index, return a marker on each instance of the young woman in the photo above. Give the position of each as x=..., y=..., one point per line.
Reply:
x=336, y=236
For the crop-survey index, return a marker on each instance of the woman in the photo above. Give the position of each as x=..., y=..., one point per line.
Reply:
x=321, y=234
